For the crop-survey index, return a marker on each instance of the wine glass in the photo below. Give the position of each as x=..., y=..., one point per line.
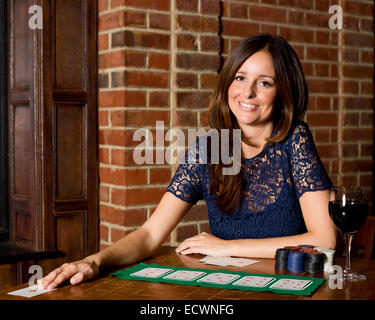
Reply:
x=348, y=209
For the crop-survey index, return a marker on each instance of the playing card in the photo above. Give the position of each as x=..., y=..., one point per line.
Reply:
x=291, y=284
x=184, y=275
x=151, y=272
x=219, y=278
x=253, y=281
x=29, y=292
x=241, y=262
x=227, y=261
x=217, y=261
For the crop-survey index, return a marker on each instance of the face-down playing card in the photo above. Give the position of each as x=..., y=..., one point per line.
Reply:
x=151, y=272
x=184, y=275
x=219, y=278
x=291, y=284
x=253, y=281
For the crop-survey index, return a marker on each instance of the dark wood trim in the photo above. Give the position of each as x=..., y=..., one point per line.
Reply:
x=4, y=215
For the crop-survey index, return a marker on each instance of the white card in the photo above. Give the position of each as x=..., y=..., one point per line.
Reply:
x=184, y=275
x=151, y=272
x=219, y=278
x=29, y=292
x=253, y=281
x=227, y=261
x=291, y=284
x=241, y=262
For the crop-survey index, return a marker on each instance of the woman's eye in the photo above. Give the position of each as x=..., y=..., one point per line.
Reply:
x=265, y=84
x=239, y=78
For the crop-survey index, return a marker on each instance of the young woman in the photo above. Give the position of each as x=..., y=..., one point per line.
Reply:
x=279, y=197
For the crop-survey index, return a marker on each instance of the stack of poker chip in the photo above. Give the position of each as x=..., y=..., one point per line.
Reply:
x=304, y=258
x=281, y=258
x=296, y=261
x=329, y=257
x=314, y=262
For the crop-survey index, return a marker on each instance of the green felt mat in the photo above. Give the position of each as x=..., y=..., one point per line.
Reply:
x=316, y=282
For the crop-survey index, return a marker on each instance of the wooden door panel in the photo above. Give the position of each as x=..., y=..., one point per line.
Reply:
x=70, y=160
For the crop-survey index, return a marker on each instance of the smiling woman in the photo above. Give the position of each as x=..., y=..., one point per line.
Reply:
x=279, y=197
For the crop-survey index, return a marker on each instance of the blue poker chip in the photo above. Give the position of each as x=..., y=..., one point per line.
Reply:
x=296, y=261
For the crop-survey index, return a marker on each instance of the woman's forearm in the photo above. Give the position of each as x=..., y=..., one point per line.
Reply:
x=266, y=248
x=131, y=248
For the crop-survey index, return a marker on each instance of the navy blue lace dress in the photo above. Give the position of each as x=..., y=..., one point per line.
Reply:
x=274, y=180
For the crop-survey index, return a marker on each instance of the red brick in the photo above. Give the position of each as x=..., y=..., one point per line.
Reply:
x=367, y=150
x=367, y=118
x=183, y=5
x=367, y=88
x=142, y=39
x=239, y=28
x=159, y=99
x=358, y=165
x=122, y=157
x=321, y=135
x=238, y=10
x=210, y=7
x=123, y=177
x=123, y=217
x=121, y=58
x=327, y=151
x=187, y=80
x=296, y=34
x=158, y=61
x=351, y=119
x=160, y=21
x=322, y=119
x=209, y=43
x=125, y=118
x=147, y=79
x=319, y=20
x=139, y=196
x=322, y=86
x=103, y=118
x=104, y=194
x=358, y=8
x=111, y=20
x=357, y=103
x=367, y=56
x=187, y=41
x=300, y=4
x=193, y=99
x=160, y=175
x=104, y=155
x=355, y=39
x=321, y=70
x=163, y=5
x=350, y=87
x=121, y=138
x=267, y=14
x=209, y=81
x=104, y=233
x=197, y=23
x=350, y=150
x=198, y=61
x=317, y=53
x=118, y=234
x=103, y=42
x=185, y=118
x=122, y=98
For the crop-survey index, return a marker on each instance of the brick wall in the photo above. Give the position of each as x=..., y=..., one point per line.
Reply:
x=159, y=60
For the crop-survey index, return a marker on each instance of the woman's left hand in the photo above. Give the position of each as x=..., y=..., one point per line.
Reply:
x=204, y=243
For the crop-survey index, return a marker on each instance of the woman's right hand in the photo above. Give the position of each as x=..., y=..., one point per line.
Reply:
x=77, y=272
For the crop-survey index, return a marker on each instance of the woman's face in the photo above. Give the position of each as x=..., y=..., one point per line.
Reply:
x=252, y=93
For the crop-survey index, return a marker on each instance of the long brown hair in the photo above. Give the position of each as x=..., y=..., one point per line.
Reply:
x=289, y=106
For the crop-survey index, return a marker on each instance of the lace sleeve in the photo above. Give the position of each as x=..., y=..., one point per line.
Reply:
x=187, y=180
x=307, y=169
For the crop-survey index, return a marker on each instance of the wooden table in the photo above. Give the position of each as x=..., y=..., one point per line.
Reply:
x=112, y=288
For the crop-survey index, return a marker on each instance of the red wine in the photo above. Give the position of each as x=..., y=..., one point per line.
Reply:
x=348, y=218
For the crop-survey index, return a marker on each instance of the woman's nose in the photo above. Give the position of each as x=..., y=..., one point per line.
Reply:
x=249, y=91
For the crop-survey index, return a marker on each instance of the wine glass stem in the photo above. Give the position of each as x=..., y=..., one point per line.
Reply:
x=348, y=237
